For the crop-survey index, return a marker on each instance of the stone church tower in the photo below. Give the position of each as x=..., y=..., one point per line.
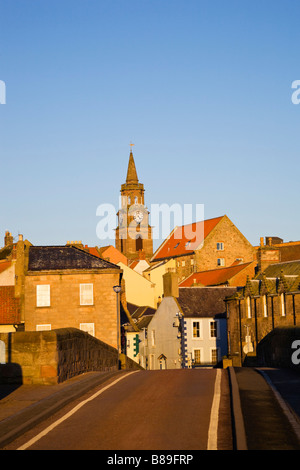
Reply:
x=133, y=234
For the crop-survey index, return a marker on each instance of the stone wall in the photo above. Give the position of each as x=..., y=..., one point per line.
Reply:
x=240, y=327
x=277, y=349
x=51, y=357
x=235, y=245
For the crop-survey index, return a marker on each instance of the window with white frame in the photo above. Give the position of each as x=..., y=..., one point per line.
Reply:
x=220, y=246
x=214, y=355
x=196, y=329
x=86, y=294
x=43, y=295
x=43, y=327
x=213, y=328
x=197, y=356
x=88, y=328
x=221, y=262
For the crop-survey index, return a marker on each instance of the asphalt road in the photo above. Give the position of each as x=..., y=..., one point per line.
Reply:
x=145, y=410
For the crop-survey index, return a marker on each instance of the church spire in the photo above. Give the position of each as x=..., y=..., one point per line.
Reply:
x=132, y=177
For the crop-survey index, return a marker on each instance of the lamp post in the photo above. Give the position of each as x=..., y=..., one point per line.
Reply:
x=117, y=290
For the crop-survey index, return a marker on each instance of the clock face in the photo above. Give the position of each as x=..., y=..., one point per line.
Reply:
x=138, y=216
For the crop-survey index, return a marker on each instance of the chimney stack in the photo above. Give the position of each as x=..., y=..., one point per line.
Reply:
x=170, y=281
x=8, y=239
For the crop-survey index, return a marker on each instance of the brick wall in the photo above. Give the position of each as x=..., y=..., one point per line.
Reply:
x=9, y=306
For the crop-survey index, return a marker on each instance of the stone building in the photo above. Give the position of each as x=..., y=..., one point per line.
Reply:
x=133, y=233
x=13, y=262
x=209, y=244
x=270, y=300
x=188, y=328
x=67, y=287
x=274, y=250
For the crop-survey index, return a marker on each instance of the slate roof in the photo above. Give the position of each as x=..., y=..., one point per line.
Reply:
x=205, y=302
x=140, y=315
x=289, y=268
x=277, y=278
x=53, y=258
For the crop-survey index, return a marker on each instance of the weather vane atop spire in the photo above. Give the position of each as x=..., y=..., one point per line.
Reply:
x=131, y=145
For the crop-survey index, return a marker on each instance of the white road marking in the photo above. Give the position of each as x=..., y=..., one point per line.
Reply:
x=68, y=415
x=212, y=443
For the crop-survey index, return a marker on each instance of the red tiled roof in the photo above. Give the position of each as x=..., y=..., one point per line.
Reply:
x=4, y=266
x=186, y=239
x=9, y=306
x=213, y=277
x=113, y=254
x=93, y=251
x=134, y=263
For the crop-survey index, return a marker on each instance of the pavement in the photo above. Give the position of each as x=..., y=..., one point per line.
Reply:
x=265, y=406
x=269, y=402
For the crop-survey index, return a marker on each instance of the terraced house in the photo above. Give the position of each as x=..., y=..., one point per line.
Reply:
x=270, y=300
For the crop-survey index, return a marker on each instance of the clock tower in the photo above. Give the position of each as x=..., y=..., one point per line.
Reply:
x=133, y=233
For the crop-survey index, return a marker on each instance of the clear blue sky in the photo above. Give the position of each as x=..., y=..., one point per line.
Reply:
x=201, y=87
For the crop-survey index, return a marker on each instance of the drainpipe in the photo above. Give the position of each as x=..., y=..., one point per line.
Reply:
x=240, y=327
x=294, y=309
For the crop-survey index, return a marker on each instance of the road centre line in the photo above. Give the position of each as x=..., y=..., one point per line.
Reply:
x=70, y=413
x=212, y=443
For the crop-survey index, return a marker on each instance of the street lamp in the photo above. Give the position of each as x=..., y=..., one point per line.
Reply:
x=117, y=290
